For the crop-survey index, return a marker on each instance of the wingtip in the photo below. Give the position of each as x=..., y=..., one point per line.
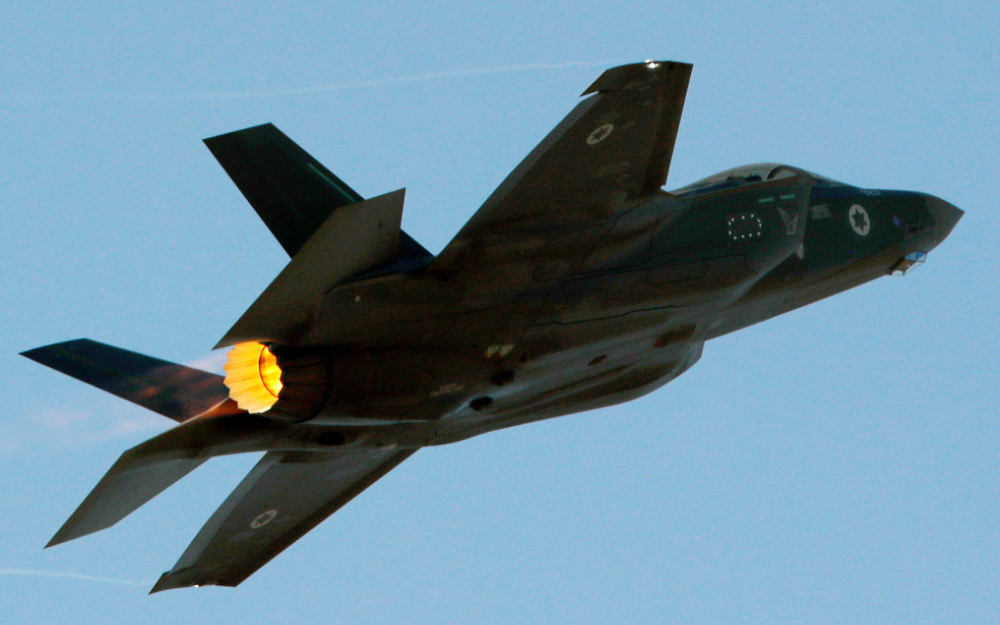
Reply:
x=162, y=584
x=36, y=353
x=617, y=77
x=224, y=342
x=65, y=534
x=214, y=138
x=186, y=577
x=172, y=579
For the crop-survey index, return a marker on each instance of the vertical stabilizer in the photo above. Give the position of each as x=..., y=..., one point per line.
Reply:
x=292, y=192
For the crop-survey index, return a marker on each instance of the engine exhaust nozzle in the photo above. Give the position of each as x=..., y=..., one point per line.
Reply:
x=253, y=377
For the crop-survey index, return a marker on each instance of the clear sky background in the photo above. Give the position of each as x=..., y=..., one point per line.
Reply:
x=835, y=465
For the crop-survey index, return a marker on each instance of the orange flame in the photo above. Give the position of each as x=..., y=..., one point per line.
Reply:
x=253, y=377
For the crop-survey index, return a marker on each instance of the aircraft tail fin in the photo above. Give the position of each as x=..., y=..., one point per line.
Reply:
x=174, y=391
x=292, y=192
x=355, y=239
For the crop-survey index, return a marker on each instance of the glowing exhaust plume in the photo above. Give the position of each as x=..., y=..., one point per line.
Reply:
x=253, y=377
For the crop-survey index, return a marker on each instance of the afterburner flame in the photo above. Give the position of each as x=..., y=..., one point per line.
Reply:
x=253, y=377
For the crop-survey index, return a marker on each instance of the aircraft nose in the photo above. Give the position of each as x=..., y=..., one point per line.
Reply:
x=945, y=216
x=939, y=221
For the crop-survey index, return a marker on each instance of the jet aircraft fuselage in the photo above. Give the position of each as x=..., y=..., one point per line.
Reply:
x=579, y=283
x=527, y=336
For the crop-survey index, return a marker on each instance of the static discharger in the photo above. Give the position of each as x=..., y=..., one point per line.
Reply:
x=253, y=377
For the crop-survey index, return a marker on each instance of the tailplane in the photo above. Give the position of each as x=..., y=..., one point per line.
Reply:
x=174, y=391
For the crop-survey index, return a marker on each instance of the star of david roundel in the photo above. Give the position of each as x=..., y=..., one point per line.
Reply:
x=859, y=219
x=600, y=134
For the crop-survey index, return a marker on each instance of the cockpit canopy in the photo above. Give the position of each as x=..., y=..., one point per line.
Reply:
x=748, y=175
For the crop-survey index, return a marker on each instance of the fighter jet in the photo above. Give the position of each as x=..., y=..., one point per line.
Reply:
x=578, y=284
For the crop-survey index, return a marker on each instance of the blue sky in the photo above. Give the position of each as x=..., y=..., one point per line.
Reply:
x=838, y=464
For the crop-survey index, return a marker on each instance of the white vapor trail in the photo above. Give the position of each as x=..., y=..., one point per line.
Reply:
x=76, y=576
x=309, y=90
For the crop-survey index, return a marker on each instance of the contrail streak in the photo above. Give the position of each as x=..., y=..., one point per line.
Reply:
x=76, y=576
x=294, y=91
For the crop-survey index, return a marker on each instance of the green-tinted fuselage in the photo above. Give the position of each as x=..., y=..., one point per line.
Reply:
x=577, y=284
x=533, y=336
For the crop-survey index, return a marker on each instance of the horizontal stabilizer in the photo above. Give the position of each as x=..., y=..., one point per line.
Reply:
x=151, y=467
x=291, y=191
x=125, y=487
x=172, y=390
x=357, y=238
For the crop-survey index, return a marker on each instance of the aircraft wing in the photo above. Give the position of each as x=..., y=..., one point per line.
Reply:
x=284, y=496
x=613, y=146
